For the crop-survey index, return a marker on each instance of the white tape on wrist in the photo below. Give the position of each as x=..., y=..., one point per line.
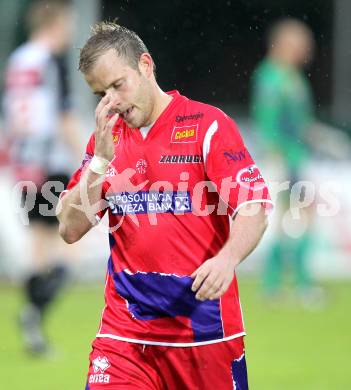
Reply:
x=98, y=165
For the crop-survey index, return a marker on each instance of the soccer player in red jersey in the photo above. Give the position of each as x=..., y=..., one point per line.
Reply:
x=186, y=204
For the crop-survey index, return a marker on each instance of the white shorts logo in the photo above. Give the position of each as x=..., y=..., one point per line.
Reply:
x=100, y=364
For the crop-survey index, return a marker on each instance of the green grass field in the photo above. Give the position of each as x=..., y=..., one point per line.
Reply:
x=287, y=347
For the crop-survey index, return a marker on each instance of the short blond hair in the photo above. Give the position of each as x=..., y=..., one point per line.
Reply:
x=110, y=35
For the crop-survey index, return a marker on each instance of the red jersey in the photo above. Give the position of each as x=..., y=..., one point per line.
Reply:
x=170, y=197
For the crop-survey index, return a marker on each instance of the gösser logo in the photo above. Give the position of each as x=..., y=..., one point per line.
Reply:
x=184, y=134
x=181, y=118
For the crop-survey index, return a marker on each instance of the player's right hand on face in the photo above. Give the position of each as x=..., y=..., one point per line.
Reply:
x=104, y=146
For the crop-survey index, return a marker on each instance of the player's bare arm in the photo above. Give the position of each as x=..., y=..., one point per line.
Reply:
x=76, y=216
x=214, y=276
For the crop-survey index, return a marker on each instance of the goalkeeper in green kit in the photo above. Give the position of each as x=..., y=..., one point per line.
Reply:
x=281, y=108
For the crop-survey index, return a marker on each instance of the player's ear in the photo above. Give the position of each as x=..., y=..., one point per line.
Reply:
x=146, y=65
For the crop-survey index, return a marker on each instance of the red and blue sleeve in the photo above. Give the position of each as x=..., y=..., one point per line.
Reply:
x=230, y=166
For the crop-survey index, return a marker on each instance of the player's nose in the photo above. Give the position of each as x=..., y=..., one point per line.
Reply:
x=113, y=96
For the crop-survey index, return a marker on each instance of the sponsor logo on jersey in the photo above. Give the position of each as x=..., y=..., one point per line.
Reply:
x=150, y=202
x=116, y=136
x=233, y=156
x=181, y=159
x=182, y=118
x=184, y=134
x=141, y=166
x=182, y=203
x=111, y=171
x=100, y=365
x=249, y=175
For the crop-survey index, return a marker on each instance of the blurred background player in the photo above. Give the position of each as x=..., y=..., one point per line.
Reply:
x=282, y=110
x=41, y=133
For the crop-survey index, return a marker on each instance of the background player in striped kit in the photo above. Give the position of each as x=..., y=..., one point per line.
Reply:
x=43, y=144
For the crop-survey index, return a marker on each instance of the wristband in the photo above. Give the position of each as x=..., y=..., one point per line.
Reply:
x=98, y=165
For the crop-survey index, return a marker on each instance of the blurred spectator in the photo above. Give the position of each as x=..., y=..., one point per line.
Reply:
x=41, y=131
x=282, y=110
